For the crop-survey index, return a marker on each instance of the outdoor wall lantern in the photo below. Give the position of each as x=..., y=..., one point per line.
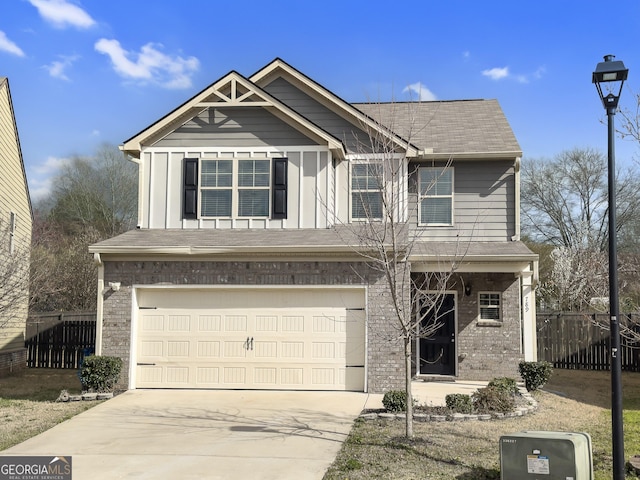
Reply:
x=611, y=75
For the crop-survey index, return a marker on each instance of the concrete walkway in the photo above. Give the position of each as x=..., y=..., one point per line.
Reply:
x=214, y=434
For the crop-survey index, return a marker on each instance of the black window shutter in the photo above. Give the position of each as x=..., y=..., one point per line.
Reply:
x=279, y=183
x=190, y=188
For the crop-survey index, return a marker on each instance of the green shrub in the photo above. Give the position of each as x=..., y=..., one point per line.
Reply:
x=535, y=374
x=395, y=401
x=100, y=374
x=459, y=403
x=506, y=384
x=493, y=399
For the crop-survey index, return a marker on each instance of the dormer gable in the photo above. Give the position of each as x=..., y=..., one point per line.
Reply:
x=278, y=69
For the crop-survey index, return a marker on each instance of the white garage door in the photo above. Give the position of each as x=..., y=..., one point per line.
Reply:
x=302, y=339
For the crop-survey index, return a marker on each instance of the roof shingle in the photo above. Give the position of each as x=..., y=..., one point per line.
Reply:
x=448, y=127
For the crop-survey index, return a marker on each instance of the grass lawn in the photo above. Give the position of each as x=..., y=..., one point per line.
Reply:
x=469, y=450
x=28, y=406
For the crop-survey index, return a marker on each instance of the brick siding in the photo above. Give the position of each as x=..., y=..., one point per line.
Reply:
x=13, y=361
x=483, y=352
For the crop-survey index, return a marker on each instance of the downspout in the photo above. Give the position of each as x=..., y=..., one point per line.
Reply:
x=99, y=303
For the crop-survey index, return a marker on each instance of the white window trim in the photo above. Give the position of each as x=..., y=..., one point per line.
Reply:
x=362, y=161
x=422, y=197
x=500, y=307
x=234, y=188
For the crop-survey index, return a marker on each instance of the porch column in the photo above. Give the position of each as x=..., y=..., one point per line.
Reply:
x=528, y=307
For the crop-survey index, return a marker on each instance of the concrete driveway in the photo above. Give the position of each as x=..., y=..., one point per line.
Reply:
x=193, y=434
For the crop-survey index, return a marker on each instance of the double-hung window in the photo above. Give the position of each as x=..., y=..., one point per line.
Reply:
x=253, y=188
x=436, y=195
x=489, y=305
x=235, y=188
x=366, y=192
x=216, y=188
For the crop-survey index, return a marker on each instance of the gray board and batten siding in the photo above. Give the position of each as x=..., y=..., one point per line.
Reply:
x=483, y=198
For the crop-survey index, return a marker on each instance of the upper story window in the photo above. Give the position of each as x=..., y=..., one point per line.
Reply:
x=366, y=193
x=249, y=198
x=489, y=305
x=436, y=195
x=253, y=188
x=216, y=182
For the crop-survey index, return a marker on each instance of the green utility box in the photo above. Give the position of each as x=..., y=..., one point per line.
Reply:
x=546, y=456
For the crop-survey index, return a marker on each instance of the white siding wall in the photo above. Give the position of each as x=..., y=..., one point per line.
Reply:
x=310, y=188
x=13, y=199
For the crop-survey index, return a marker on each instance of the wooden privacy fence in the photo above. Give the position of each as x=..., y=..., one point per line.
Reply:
x=581, y=341
x=59, y=340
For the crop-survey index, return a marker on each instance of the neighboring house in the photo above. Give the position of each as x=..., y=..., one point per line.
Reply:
x=15, y=239
x=244, y=270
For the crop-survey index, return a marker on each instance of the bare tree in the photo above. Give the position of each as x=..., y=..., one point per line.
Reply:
x=14, y=274
x=62, y=273
x=578, y=279
x=565, y=203
x=382, y=180
x=94, y=198
x=98, y=192
x=629, y=128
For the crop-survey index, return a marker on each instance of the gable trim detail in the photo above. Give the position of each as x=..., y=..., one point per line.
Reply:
x=232, y=90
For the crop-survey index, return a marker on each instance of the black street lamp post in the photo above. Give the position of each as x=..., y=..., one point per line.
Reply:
x=613, y=73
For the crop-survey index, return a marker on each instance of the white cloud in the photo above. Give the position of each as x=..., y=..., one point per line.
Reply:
x=57, y=68
x=496, y=73
x=539, y=73
x=150, y=64
x=8, y=46
x=501, y=73
x=422, y=92
x=61, y=13
x=50, y=165
x=41, y=177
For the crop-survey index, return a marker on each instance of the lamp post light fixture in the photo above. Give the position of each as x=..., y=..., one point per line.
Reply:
x=611, y=74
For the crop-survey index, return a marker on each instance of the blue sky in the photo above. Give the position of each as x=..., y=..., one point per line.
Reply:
x=86, y=72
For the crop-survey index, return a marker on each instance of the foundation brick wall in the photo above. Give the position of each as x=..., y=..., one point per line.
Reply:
x=384, y=357
x=13, y=361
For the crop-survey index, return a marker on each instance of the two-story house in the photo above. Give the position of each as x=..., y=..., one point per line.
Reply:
x=247, y=270
x=15, y=239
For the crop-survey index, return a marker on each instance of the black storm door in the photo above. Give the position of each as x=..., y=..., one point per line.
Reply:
x=437, y=353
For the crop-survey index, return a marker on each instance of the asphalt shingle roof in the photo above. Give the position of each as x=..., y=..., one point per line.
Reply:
x=339, y=240
x=448, y=127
